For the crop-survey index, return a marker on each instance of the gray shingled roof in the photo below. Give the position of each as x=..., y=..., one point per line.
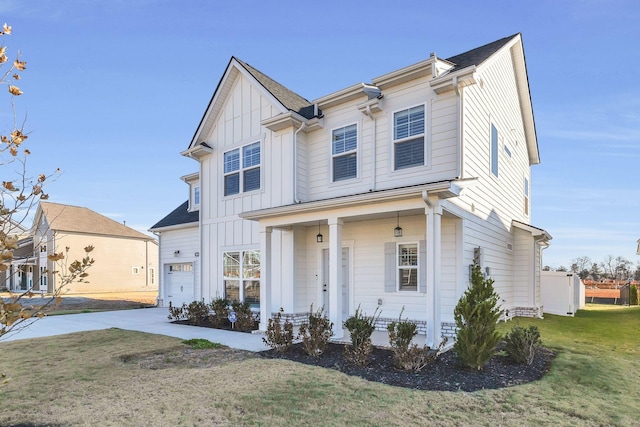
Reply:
x=291, y=100
x=179, y=215
x=478, y=55
x=77, y=219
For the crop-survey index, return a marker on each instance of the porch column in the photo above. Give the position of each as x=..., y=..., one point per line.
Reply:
x=335, y=275
x=265, y=276
x=437, y=276
x=433, y=213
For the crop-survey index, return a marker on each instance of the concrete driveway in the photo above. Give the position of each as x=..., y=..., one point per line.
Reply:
x=150, y=320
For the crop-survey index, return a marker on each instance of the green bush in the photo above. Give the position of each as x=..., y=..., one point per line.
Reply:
x=220, y=309
x=407, y=356
x=633, y=295
x=246, y=320
x=476, y=315
x=315, y=333
x=360, y=328
x=279, y=335
x=521, y=343
x=196, y=312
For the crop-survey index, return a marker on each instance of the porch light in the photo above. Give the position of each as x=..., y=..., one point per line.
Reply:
x=319, y=235
x=397, y=232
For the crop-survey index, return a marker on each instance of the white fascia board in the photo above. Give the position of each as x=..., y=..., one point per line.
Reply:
x=447, y=188
x=174, y=227
x=405, y=74
x=449, y=81
x=341, y=96
x=535, y=231
x=190, y=177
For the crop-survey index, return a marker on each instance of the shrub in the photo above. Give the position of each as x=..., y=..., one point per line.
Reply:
x=220, y=309
x=521, y=343
x=476, y=315
x=633, y=295
x=360, y=328
x=176, y=313
x=196, y=311
x=407, y=356
x=246, y=320
x=316, y=332
x=279, y=335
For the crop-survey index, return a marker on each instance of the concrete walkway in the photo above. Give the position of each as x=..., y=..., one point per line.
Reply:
x=150, y=320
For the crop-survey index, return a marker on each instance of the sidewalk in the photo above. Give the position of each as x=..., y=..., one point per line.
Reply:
x=150, y=320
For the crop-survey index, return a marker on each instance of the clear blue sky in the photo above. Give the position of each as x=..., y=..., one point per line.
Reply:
x=115, y=89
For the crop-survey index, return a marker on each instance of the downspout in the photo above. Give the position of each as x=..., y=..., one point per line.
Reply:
x=295, y=161
x=369, y=114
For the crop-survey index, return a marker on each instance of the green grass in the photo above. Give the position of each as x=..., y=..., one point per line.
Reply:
x=77, y=379
x=201, y=343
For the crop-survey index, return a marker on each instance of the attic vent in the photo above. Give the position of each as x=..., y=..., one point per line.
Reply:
x=510, y=247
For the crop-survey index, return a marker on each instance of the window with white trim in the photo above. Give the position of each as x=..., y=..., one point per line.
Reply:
x=43, y=278
x=494, y=150
x=344, y=147
x=408, y=137
x=242, y=169
x=241, y=276
x=407, y=267
x=135, y=270
x=196, y=196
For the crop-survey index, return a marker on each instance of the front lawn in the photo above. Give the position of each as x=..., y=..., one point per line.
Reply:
x=116, y=377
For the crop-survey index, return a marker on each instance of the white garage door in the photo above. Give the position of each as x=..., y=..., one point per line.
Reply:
x=179, y=284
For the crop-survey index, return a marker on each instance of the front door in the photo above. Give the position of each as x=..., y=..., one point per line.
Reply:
x=345, y=282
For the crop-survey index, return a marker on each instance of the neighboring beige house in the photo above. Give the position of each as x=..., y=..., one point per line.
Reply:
x=125, y=259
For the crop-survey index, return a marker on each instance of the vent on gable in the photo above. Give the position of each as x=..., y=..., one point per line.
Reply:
x=509, y=246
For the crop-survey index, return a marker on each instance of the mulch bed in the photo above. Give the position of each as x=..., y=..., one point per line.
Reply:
x=207, y=324
x=445, y=374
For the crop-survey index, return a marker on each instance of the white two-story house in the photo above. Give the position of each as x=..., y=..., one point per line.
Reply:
x=377, y=196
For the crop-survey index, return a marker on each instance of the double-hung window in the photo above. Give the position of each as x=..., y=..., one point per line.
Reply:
x=408, y=137
x=241, y=275
x=196, y=196
x=242, y=169
x=407, y=267
x=344, y=146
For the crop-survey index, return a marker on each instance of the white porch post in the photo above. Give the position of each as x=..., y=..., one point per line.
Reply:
x=433, y=213
x=265, y=276
x=335, y=275
x=437, y=276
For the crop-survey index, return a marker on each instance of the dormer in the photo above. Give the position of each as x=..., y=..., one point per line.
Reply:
x=193, y=181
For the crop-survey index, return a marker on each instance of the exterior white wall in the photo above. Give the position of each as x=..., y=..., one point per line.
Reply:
x=185, y=240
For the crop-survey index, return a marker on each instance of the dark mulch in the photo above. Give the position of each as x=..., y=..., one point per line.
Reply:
x=445, y=374
x=207, y=324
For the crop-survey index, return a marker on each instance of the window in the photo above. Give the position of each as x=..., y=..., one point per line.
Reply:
x=43, y=279
x=494, y=150
x=152, y=276
x=242, y=177
x=408, y=137
x=135, y=270
x=408, y=267
x=180, y=267
x=43, y=248
x=526, y=196
x=344, y=144
x=241, y=275
x=196, y=196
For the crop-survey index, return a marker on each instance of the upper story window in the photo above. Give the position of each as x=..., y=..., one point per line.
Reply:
x=344, y=146
x=196, y=196
x=494, y=150
x=408, y=137
x=242, y=169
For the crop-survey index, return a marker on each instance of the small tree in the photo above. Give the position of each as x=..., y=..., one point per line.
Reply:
x=476, y=316
x=633, y=295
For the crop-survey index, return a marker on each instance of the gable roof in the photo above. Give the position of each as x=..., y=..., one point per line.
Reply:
x=77, y=219
x=478, y=55
x=285, y=98
x=180, y=215
x=291, y=100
